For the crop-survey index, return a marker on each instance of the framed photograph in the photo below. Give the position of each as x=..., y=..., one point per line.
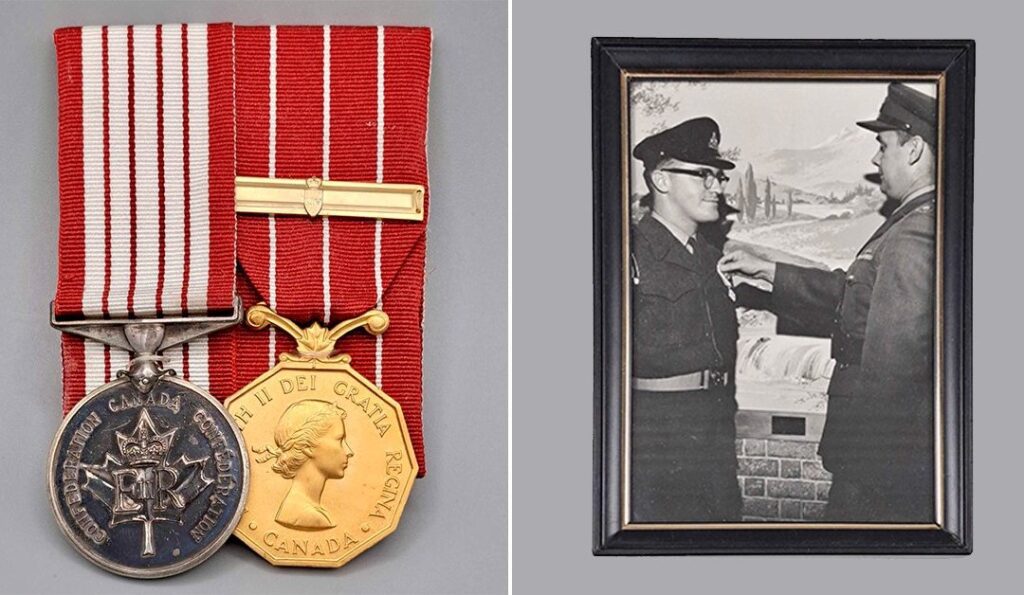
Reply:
x=782, y=292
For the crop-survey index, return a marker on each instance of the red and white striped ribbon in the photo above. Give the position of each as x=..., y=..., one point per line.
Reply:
x=146, y=177
x=342, y=103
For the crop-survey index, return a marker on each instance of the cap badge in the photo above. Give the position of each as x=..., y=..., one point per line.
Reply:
x=713, y=142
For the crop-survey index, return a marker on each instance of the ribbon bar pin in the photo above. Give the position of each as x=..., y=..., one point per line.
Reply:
x=314, y=197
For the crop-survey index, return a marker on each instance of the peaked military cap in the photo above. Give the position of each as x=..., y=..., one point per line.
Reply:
x=694, y=141
x=907, y=110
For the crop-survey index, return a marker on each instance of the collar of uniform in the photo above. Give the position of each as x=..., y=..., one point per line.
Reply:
x=658, y=237
x=679, y=234
x=912, y=196
x=911, y=204
x=664, y=245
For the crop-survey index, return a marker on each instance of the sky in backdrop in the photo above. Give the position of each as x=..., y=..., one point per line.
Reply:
x=760, y=116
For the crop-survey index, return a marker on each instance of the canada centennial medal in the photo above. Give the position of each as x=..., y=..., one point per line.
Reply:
x=147, y=474
x=147, y=481
x=332, y=463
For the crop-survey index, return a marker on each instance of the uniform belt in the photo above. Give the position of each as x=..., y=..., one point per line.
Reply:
x=694, y=381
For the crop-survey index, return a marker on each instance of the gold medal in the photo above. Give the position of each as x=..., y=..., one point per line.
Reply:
x=331, y=460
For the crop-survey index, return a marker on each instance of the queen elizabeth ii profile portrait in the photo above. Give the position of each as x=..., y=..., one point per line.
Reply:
x=309, y=449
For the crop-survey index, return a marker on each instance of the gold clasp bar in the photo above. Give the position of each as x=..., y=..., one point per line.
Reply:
x=313, y=197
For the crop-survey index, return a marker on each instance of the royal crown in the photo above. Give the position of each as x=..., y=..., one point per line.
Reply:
x=144, y=447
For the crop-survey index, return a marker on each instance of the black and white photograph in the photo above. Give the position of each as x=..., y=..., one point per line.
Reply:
x=781, y=302
x=825, y=294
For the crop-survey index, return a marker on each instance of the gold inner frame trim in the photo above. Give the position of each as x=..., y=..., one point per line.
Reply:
x=625, y=78
x=314, y=197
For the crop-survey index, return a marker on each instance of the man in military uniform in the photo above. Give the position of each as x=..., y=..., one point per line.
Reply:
x=878, y=437
x=683, y=455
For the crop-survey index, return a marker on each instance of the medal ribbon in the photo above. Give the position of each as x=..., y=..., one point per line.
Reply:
x=146, y=159
x=145, y=169
x=340, y=103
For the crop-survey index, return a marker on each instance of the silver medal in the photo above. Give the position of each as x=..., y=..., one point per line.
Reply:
x=148, y=474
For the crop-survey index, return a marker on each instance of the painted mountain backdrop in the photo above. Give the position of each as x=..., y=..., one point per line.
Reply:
x=835, y=166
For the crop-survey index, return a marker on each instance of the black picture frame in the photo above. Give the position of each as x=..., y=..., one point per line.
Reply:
x=613, y=62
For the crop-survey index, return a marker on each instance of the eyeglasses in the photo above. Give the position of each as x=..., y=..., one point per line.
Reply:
x=709, y=176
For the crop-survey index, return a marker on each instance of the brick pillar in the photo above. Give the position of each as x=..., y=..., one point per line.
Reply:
x=781, y=480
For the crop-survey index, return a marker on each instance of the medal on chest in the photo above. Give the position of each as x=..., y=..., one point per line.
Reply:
x=331, y=457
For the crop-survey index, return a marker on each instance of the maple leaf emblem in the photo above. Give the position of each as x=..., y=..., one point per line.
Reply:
x=141, y=485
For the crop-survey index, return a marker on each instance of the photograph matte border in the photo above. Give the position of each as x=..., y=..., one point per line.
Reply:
x=951, y=63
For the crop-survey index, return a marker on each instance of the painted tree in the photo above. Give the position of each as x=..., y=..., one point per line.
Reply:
x=789, y=204
x=769, y=202
x=750, y=192
x=741, y=201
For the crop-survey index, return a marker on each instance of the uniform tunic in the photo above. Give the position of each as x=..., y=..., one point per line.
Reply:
x=878, y=437
x=683, y=454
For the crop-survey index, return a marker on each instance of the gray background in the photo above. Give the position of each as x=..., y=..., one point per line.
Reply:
x=551, y=358
x=453, y=535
